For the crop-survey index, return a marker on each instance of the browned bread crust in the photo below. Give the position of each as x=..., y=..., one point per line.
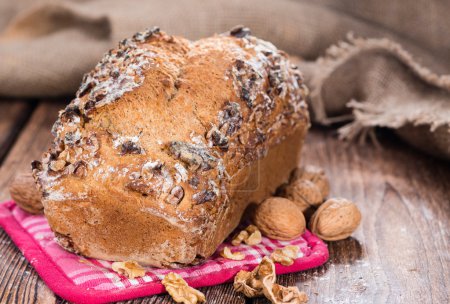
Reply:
x=166, y=144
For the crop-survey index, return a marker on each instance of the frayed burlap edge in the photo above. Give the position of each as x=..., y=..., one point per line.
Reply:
x=368, y=115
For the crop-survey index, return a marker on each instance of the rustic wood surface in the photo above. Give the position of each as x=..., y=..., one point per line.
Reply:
x=400, y=254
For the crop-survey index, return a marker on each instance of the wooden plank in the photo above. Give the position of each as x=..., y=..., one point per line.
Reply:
x=32, y=142
x=19, y=283
x=13, y=115
x=398, y=255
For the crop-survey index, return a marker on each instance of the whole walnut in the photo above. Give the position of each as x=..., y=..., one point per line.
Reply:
x=313, y=174
x=336, y=219
x=279, y=218
x=24, y=192
x=304, y=193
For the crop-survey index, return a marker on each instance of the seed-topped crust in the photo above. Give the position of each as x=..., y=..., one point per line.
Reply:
x=167, y=129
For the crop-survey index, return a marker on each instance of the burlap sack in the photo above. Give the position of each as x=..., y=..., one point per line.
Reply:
x=373, y=80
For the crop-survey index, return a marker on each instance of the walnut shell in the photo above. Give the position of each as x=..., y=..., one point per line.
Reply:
x=251, y=283
x=336, y=219
x=304, y=193
x=279, y=218
x=315, y=175
x=24, y=192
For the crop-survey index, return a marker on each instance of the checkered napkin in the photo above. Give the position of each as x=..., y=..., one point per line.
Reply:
x=83, y=280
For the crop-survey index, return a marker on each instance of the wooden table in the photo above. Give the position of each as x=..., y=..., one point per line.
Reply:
x=400, y=254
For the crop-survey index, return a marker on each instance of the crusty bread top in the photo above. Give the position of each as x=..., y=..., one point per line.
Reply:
x=171, y=121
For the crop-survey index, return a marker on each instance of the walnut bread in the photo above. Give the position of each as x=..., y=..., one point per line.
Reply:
x=167, y=142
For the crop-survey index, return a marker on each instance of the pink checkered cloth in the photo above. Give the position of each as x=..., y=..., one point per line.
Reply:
x=82, y=280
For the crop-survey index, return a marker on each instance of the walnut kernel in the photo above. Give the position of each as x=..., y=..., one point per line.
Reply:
x=285, y=256
x=130, y=269
x=250, y=236
x=239, y=238
x=57, y=165
x=180, y=291
x=254, y=238
x=237, y=256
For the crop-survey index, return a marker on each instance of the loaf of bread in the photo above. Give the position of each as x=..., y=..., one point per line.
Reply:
x=166, y=144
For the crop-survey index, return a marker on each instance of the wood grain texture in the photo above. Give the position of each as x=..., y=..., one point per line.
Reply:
x=13, y=114
x=19, y=283
x=400, y=254
x=30, y=144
